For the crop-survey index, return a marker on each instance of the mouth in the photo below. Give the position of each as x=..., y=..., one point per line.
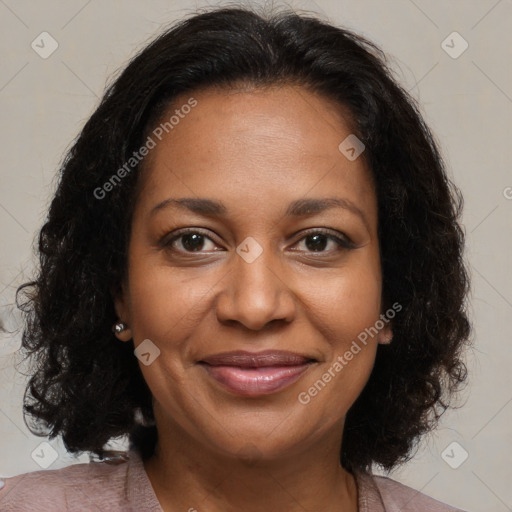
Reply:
x=256, y=373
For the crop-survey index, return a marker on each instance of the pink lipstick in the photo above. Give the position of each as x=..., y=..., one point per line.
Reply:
x=256, y=373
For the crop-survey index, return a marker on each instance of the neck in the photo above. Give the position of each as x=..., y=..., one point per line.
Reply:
x=187, y=475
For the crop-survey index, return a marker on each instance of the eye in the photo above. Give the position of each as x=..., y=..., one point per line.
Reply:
x=190, y=240
x=318, y=240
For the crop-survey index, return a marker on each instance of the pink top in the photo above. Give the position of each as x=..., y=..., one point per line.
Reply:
x=124, y=486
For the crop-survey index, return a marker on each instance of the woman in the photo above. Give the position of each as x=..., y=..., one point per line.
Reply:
x=253, y=268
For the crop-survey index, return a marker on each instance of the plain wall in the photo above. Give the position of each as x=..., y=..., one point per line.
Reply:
x=467, y=101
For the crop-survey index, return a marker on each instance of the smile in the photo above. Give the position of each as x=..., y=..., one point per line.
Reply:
x=256, y=374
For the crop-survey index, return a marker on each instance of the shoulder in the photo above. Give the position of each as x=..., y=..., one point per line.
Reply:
x=89, y=486
x=397, y=497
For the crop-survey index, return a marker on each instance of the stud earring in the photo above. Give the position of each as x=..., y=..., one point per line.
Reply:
x=119, y=327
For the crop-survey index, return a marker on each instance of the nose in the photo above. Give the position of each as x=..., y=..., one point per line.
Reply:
x=255, y=294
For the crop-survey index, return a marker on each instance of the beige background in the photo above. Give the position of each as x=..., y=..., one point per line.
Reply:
x=467, y=101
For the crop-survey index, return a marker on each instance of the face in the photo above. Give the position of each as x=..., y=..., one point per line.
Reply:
x=254, y=233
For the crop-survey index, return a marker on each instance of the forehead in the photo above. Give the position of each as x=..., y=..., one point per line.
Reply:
x=272, y=145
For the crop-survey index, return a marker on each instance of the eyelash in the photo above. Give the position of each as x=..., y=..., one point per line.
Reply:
x=342, y=243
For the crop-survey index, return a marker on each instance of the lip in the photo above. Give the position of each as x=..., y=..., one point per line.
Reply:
x=256, y=373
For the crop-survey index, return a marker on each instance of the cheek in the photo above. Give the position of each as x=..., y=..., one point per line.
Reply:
x=345, y=302
x=345, y=311
x=166, y=303
x=329, y=394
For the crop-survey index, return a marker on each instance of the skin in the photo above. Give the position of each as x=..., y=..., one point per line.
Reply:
x=256, y=150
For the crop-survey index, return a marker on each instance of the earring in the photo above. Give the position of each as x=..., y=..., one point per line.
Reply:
x=119, y=327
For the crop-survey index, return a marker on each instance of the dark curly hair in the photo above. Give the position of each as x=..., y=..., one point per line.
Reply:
x=88, y=388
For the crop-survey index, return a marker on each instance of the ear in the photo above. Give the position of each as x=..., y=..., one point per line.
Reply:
x=119, y=298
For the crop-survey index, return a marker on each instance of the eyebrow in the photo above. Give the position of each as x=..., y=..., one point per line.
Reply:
x=298, y=208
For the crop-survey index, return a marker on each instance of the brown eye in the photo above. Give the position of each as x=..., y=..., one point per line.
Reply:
x=318, y=241
x=190, y=241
